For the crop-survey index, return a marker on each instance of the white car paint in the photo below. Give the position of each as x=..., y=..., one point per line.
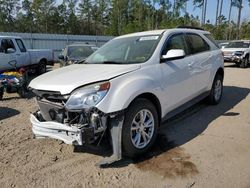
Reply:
x=80, y=75
x=173, y=83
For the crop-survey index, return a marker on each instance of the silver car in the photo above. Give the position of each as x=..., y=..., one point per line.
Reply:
x=127, y=88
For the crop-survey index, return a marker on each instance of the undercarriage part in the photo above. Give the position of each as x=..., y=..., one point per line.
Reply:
x=116, y=136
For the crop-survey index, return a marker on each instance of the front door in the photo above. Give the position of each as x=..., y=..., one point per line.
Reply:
x=7, y=59
x=177, y=82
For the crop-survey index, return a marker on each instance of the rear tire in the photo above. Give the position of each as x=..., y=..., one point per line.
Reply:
x=216, y=90
x=140, y=126
x=9, y=89
x=22, y=91
x=41, y=69
x=1, y=93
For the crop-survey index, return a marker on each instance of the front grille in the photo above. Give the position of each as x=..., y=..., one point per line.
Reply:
x=52, y=96
x=51, y=111
x=51, y=105
x=228, y=53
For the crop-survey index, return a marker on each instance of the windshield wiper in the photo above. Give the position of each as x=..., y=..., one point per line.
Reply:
x=113, y=62
x=82, y=62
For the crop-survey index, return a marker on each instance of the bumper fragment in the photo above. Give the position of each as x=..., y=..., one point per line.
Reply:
x=65, y=133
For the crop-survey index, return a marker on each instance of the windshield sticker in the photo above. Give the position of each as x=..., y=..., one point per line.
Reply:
x=149, y=38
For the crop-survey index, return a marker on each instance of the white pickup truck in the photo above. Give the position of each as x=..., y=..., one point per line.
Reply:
x=13, y=54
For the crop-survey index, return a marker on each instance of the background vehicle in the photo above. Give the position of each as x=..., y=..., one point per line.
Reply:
x=222, y=45
x=13, y=53
x=237, y=52
x=13, y=81
x=76, y=52
x=128, y=87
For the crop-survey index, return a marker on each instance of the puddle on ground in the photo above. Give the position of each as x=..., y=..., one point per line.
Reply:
x=168, y=162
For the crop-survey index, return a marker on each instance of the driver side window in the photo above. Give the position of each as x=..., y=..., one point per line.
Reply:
x=176, y=42
x=2, y=50
x=6, y=44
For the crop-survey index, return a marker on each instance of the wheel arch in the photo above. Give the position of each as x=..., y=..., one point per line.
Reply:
x=247, y=56
x=152, y=98
x=220, y=71
x=43, y=60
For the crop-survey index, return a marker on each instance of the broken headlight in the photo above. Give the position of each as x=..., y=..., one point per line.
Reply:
x=87, y=97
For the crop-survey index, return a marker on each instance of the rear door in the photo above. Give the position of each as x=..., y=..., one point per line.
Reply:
x=202, y=64
x=176, y=76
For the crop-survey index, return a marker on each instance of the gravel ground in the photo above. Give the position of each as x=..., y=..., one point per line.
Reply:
x=207, y=146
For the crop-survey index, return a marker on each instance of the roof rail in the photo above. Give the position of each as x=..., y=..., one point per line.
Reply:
x=189, y=27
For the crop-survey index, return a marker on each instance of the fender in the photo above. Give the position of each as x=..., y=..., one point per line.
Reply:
x=133, y=84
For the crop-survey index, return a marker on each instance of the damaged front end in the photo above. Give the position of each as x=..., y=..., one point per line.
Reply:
x=236, y=56
x=74, y=126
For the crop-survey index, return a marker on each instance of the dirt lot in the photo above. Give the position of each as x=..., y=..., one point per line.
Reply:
x=207, y=146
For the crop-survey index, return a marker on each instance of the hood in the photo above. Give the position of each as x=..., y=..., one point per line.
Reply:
x=234, y=49
x=66, y=79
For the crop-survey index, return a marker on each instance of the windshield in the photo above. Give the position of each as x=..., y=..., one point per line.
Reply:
x=237, y=45
x=127, y=50
x=79, y=52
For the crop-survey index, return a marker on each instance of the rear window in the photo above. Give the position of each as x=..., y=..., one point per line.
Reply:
x=79, y=51
x=21, y=45
x=211, y=39
x=198, y=44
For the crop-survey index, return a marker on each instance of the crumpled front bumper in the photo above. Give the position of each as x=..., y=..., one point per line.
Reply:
x=65, y=133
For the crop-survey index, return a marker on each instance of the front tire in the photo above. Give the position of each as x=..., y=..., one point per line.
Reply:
x=216, y=90
x=140, y=128
x=244, y=62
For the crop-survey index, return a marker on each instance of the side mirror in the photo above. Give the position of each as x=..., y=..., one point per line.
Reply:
x=11, y=50
x=61, y=57
x=173, y=55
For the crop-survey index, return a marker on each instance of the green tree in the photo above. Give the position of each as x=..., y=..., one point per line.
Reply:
x=85, y=9
x=8, y=10
x=42, y=10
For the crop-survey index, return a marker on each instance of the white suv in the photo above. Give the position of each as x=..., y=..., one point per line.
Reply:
x=237, y=52
x=127, y=88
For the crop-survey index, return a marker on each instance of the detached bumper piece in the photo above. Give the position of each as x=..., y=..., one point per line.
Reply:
x=68, y=134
